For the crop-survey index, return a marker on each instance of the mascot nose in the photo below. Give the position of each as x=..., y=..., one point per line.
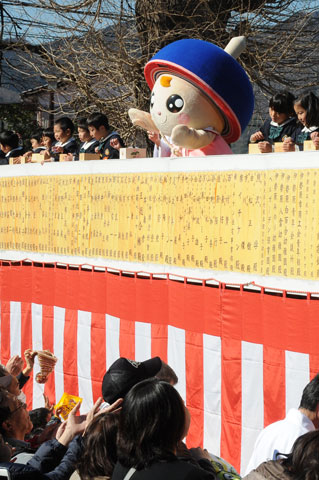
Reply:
x=159, y=113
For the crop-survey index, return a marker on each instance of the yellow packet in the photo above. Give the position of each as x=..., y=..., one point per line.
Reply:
x=65, y=405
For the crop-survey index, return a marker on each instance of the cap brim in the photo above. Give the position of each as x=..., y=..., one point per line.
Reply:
x=152, y=366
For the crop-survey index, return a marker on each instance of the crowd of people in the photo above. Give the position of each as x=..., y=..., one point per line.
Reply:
x=292, y=121
x=94, y=136
x=136, y=430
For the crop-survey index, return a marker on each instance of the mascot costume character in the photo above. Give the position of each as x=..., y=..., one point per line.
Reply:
x=201, y=99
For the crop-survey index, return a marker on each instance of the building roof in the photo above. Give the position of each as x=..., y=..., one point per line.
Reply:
x=9, y=96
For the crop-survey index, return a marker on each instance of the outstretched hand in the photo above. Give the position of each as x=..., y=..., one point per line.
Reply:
x=29, y=356
x=142, y=119
x=14, y=365
x=96, y=410
x=75, y=425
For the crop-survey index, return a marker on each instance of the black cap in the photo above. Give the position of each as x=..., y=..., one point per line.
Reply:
x=123, y=374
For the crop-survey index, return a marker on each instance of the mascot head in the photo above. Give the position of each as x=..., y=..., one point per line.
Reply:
x=198, y=84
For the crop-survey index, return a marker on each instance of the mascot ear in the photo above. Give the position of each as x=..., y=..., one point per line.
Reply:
x=142, y=119
x=236, y=46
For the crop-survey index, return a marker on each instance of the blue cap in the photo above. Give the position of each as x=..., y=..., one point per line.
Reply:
x=216, y=73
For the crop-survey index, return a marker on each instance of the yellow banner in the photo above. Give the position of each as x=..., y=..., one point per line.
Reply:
x=263, y=222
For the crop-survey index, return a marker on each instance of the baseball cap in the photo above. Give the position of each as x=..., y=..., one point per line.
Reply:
x=123, y=374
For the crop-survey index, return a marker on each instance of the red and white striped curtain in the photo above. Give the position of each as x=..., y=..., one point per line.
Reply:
x=242, y=357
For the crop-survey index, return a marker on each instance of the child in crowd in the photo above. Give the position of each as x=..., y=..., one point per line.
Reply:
x=63, y=130
x=307, y=111
x=49, y=142
x=88, y=144
x=109, y=141
x=36, y=144
x=9, y=144
x=282, y=122
x=48, y=139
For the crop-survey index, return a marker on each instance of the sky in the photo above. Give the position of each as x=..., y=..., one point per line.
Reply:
x=29, y=20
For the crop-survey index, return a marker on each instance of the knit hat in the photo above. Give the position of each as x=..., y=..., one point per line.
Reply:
x=123, y=374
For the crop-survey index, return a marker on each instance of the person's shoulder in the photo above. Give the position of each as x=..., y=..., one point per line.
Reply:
x=187, y=470
x=270, y=470
x=16, y=152
x=180, y=469
x=272, y=426
x=119, y=472
x=20, y=471
x=292, y=125
x=92, y=145
x=266, y=123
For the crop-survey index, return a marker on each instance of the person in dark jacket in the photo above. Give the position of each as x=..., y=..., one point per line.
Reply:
x=9, y=144
x=153, y=421
x=56, y=459
x=88, y=144
x=100, y=129
x=15, y=421
x=65, y=142
x=281, y=124
x=307, y=111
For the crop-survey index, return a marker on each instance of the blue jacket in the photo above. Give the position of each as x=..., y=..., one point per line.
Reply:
x=52, y=461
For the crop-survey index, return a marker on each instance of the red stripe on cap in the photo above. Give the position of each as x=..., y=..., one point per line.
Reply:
x=154, y=68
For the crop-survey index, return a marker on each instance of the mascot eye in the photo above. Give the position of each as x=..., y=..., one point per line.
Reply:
x=175, y=103
x=152, y=100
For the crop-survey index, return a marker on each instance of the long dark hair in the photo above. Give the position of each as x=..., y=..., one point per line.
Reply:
x=310, y=103
x=303, y=462
x=152, y=422
x=99, y=447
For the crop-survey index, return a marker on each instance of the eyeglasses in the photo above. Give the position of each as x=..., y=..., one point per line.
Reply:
x=21, y=405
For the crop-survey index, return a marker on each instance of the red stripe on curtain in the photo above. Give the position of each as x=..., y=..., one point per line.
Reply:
x=195, y=389
x=70, y=353
x=5, y=332
x=274, y=384
x=98, y=353
x=26, y=342
x=231, y=403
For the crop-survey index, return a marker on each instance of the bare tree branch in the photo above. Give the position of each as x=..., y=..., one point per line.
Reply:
x=99, y=48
